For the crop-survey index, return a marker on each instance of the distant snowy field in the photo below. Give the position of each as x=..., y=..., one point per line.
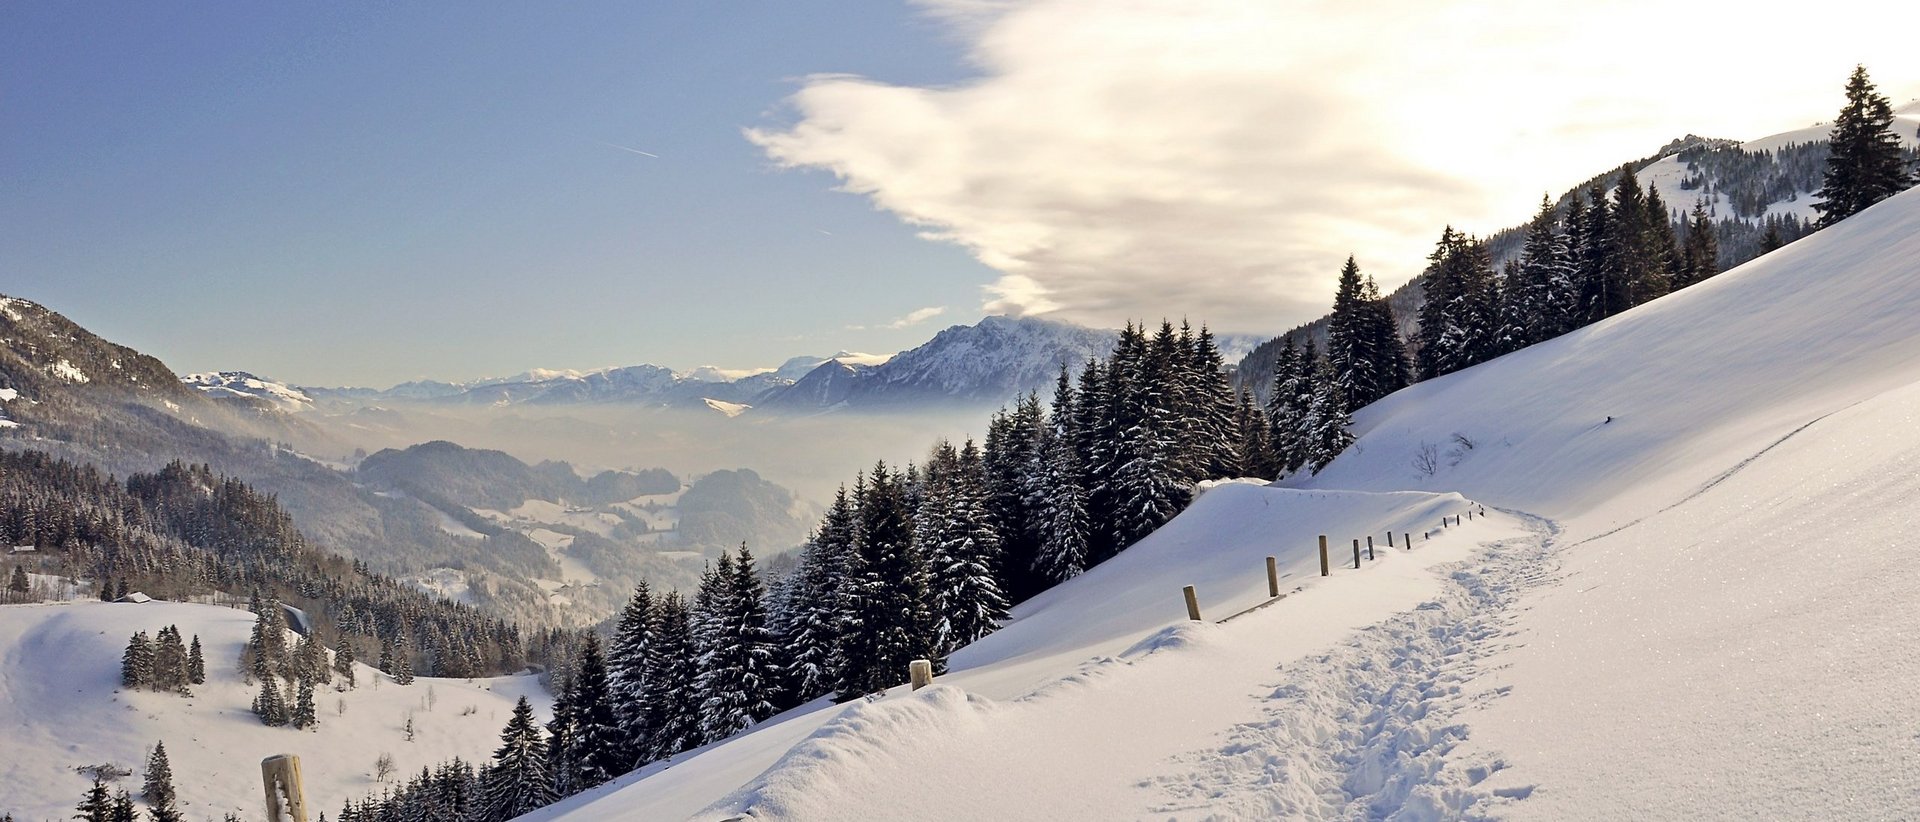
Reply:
x=61, y=706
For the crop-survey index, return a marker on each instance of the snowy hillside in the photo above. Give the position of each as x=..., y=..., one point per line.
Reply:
x=242, y=386
x=62, y=705
x=1669, y=174
x=1703, y=575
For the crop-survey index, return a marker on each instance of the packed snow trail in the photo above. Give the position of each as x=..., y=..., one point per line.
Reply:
x=1367, y=730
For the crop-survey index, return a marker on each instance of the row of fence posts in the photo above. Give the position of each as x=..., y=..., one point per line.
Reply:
x=286, y=801
x=1192, y=596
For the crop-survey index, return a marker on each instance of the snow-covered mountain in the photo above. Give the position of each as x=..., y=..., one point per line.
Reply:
x=244, y=387
x=988, y=363
x=1680, y=575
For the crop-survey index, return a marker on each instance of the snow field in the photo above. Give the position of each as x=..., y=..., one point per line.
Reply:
x=65, y=708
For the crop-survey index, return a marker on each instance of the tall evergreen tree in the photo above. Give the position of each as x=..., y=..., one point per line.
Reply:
x=157, y=785
x=97, y=806
x=1866, y=164
x=1327, y=420
x=886, y=617
x=1287, y=408
x=17, y=583
x=303, y=716
x=672, y=707
x=123, y=810
x=627, y=668
x=953, y=535
x=599, y=751
x=343, y=661
x=1700, y=255
x=136, y=664
x=196, y=663
x=516, y=782
x=1064, y=553
x=1460, y=319
x=819, y=580
x=738, y=677
x=269, y=704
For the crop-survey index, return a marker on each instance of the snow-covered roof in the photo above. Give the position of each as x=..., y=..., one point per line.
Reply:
x=136, y=596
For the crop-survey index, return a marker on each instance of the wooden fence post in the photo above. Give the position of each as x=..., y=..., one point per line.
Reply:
x=1369, y=547
x=285, y=800
x=1389, y=539
x=1193, y=603
x=1323, y=555
x=1273, y=577
x=920, y=673
x=1356, y=554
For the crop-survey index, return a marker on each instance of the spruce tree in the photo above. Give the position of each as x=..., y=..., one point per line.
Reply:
x=599, y=751
x=402, y=661
x=516, y=782
x=122, y=809
x=739, y=676
x=953, y=536
x=196, y=663
x=303, y=716
x=1064, y=553
x=885, y=621
x=157, y=786
x=1460, y=319
x=97, y=805
x=1865, y=164
x=627, y=668
x=18, y=583
x=818, y=583
x=136, y=664
x=269, y=704
x=1700, y=255
x=1327, y=421
x=672, y=712
x=563, y=738
x=343, y=661
x=1287, y=407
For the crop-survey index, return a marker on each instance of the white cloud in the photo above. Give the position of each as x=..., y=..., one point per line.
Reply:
x=912, y=318
x=1216, y=159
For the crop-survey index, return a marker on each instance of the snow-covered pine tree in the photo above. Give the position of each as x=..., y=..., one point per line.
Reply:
x=886, y=621
x=402, y=661
x=627, y=668
x=136, y=664
x=599, y=751
x=1700, y=252
x=516, y=782
x=958, y=545
x=1217, y=447
x=97, y=805
x=17, y=582
x=1540, y=287
x=1865, y=164
x=169, y=661
x=196, y=663
x=1094, y=438
x=1149, y=486
x=303, y=716
x=343, y=659
x=123, y=809
x=157, y=785
x=1460, y=318
x=673, y=713
x=1642, y=265
x=1287, y=407
x=1254, y=438
x=739, y=681
x=1601, y=281
x=819, y=583
x=1064, y=553
x=563, y=740
x=1327, y=421
x=270, y=705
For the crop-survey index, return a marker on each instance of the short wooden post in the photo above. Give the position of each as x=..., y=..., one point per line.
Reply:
x=1369, y=547
x=286, y=802
x=1193, y=603
x=1389, y=539
x=920, y=673
x=1273, y=577
x=1407, y=538
x=1323, y=555
x=1356, y=554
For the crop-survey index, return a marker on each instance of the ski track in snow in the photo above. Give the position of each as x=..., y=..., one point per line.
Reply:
x=1364, y=730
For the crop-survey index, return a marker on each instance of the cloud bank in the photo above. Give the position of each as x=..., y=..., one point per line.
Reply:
x=1215, y=159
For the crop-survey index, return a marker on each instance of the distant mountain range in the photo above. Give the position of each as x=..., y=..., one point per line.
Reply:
x=985, y=364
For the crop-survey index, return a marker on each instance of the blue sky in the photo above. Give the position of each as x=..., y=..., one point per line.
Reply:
x=366, y=193
x=334, y=193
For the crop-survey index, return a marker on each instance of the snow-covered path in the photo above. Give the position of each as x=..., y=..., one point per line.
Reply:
x=1369, y=729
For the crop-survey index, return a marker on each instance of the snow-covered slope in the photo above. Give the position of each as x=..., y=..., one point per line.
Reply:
x=245, y=387
x=1698, y=607
x=62, y=706
x=1668, y=174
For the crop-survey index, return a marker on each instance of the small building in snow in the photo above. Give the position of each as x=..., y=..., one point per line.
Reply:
x=135, y=596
